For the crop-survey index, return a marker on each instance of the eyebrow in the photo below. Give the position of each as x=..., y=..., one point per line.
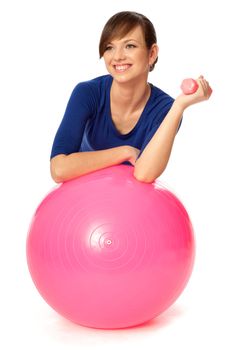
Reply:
x=125, y=41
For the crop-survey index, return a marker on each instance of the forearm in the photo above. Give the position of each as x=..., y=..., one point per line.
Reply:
x=81, y=163
x=155, y=156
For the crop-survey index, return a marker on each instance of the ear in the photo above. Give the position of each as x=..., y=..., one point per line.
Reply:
x=154, y=50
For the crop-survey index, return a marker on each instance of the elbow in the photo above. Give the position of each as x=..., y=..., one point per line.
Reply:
x=57, y=179
x=56, y=175
x=56, y=170
x=145, y=177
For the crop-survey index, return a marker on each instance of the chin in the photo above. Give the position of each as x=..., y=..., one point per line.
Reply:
x=123, y=78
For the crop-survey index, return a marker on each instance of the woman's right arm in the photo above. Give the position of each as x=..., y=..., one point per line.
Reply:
x=66, y=162
x=66, y=167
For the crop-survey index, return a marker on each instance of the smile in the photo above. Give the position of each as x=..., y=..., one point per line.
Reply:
x=122, y=67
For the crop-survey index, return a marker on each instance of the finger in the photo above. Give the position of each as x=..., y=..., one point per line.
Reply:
x=210, y=91
x=205, y=82
x=206, y=87
x=203, y=86
x=201, y=82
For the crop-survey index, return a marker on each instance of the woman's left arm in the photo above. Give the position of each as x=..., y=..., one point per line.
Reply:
x=154, y=158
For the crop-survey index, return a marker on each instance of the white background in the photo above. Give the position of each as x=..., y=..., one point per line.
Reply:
x=47, y=47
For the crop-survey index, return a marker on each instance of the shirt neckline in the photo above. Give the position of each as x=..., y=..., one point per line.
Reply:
x=110, y=115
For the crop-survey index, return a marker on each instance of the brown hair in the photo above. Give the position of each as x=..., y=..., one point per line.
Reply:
x=121, y=24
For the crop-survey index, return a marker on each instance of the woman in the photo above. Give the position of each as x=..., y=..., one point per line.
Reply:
x=120, y=118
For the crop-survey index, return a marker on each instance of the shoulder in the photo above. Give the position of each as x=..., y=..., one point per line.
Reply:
x=94, y=86
x=90, y=92
x=160, y=103
x=160, y=97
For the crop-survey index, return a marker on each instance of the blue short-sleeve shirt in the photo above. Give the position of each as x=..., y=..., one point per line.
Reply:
x=87, y=124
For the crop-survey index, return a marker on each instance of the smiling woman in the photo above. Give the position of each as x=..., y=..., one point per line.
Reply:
x=120, y=25
x=121, y=118
x=131, y=51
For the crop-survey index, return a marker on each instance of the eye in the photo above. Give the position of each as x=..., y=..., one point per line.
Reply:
x=130, y=45
x=108, y=48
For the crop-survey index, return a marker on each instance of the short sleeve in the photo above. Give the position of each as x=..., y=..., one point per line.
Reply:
x=79, y=109
x=157, y=122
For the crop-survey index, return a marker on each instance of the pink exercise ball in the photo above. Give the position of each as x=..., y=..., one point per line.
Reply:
x=108, y=251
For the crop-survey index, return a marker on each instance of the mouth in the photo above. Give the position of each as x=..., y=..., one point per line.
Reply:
x=121, y=68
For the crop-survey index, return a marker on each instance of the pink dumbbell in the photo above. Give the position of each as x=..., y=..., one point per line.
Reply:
x=189, y=86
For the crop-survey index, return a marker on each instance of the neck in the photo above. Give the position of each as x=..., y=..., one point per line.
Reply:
x=127, y=98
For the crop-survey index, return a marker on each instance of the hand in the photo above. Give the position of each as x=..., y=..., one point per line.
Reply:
x=133, y=154
x=203, y=93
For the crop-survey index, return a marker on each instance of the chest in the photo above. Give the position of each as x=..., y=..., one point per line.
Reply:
x=124, y=121
x=124, y=124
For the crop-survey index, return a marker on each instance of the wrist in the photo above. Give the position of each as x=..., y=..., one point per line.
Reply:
x=179, y=107
x=126, y=151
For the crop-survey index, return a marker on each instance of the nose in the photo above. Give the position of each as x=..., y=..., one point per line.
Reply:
x=118, y=53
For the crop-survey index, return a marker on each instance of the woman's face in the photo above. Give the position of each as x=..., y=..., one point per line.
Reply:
x=128, y=58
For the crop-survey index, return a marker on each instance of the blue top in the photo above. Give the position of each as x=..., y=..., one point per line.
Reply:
x=87, y=124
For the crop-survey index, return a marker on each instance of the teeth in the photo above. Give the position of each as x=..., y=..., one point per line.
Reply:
x=121, y=68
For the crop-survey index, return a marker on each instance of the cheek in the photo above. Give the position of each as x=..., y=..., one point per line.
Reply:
x=107, y=61
x=141, y=57
x=107, y=56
